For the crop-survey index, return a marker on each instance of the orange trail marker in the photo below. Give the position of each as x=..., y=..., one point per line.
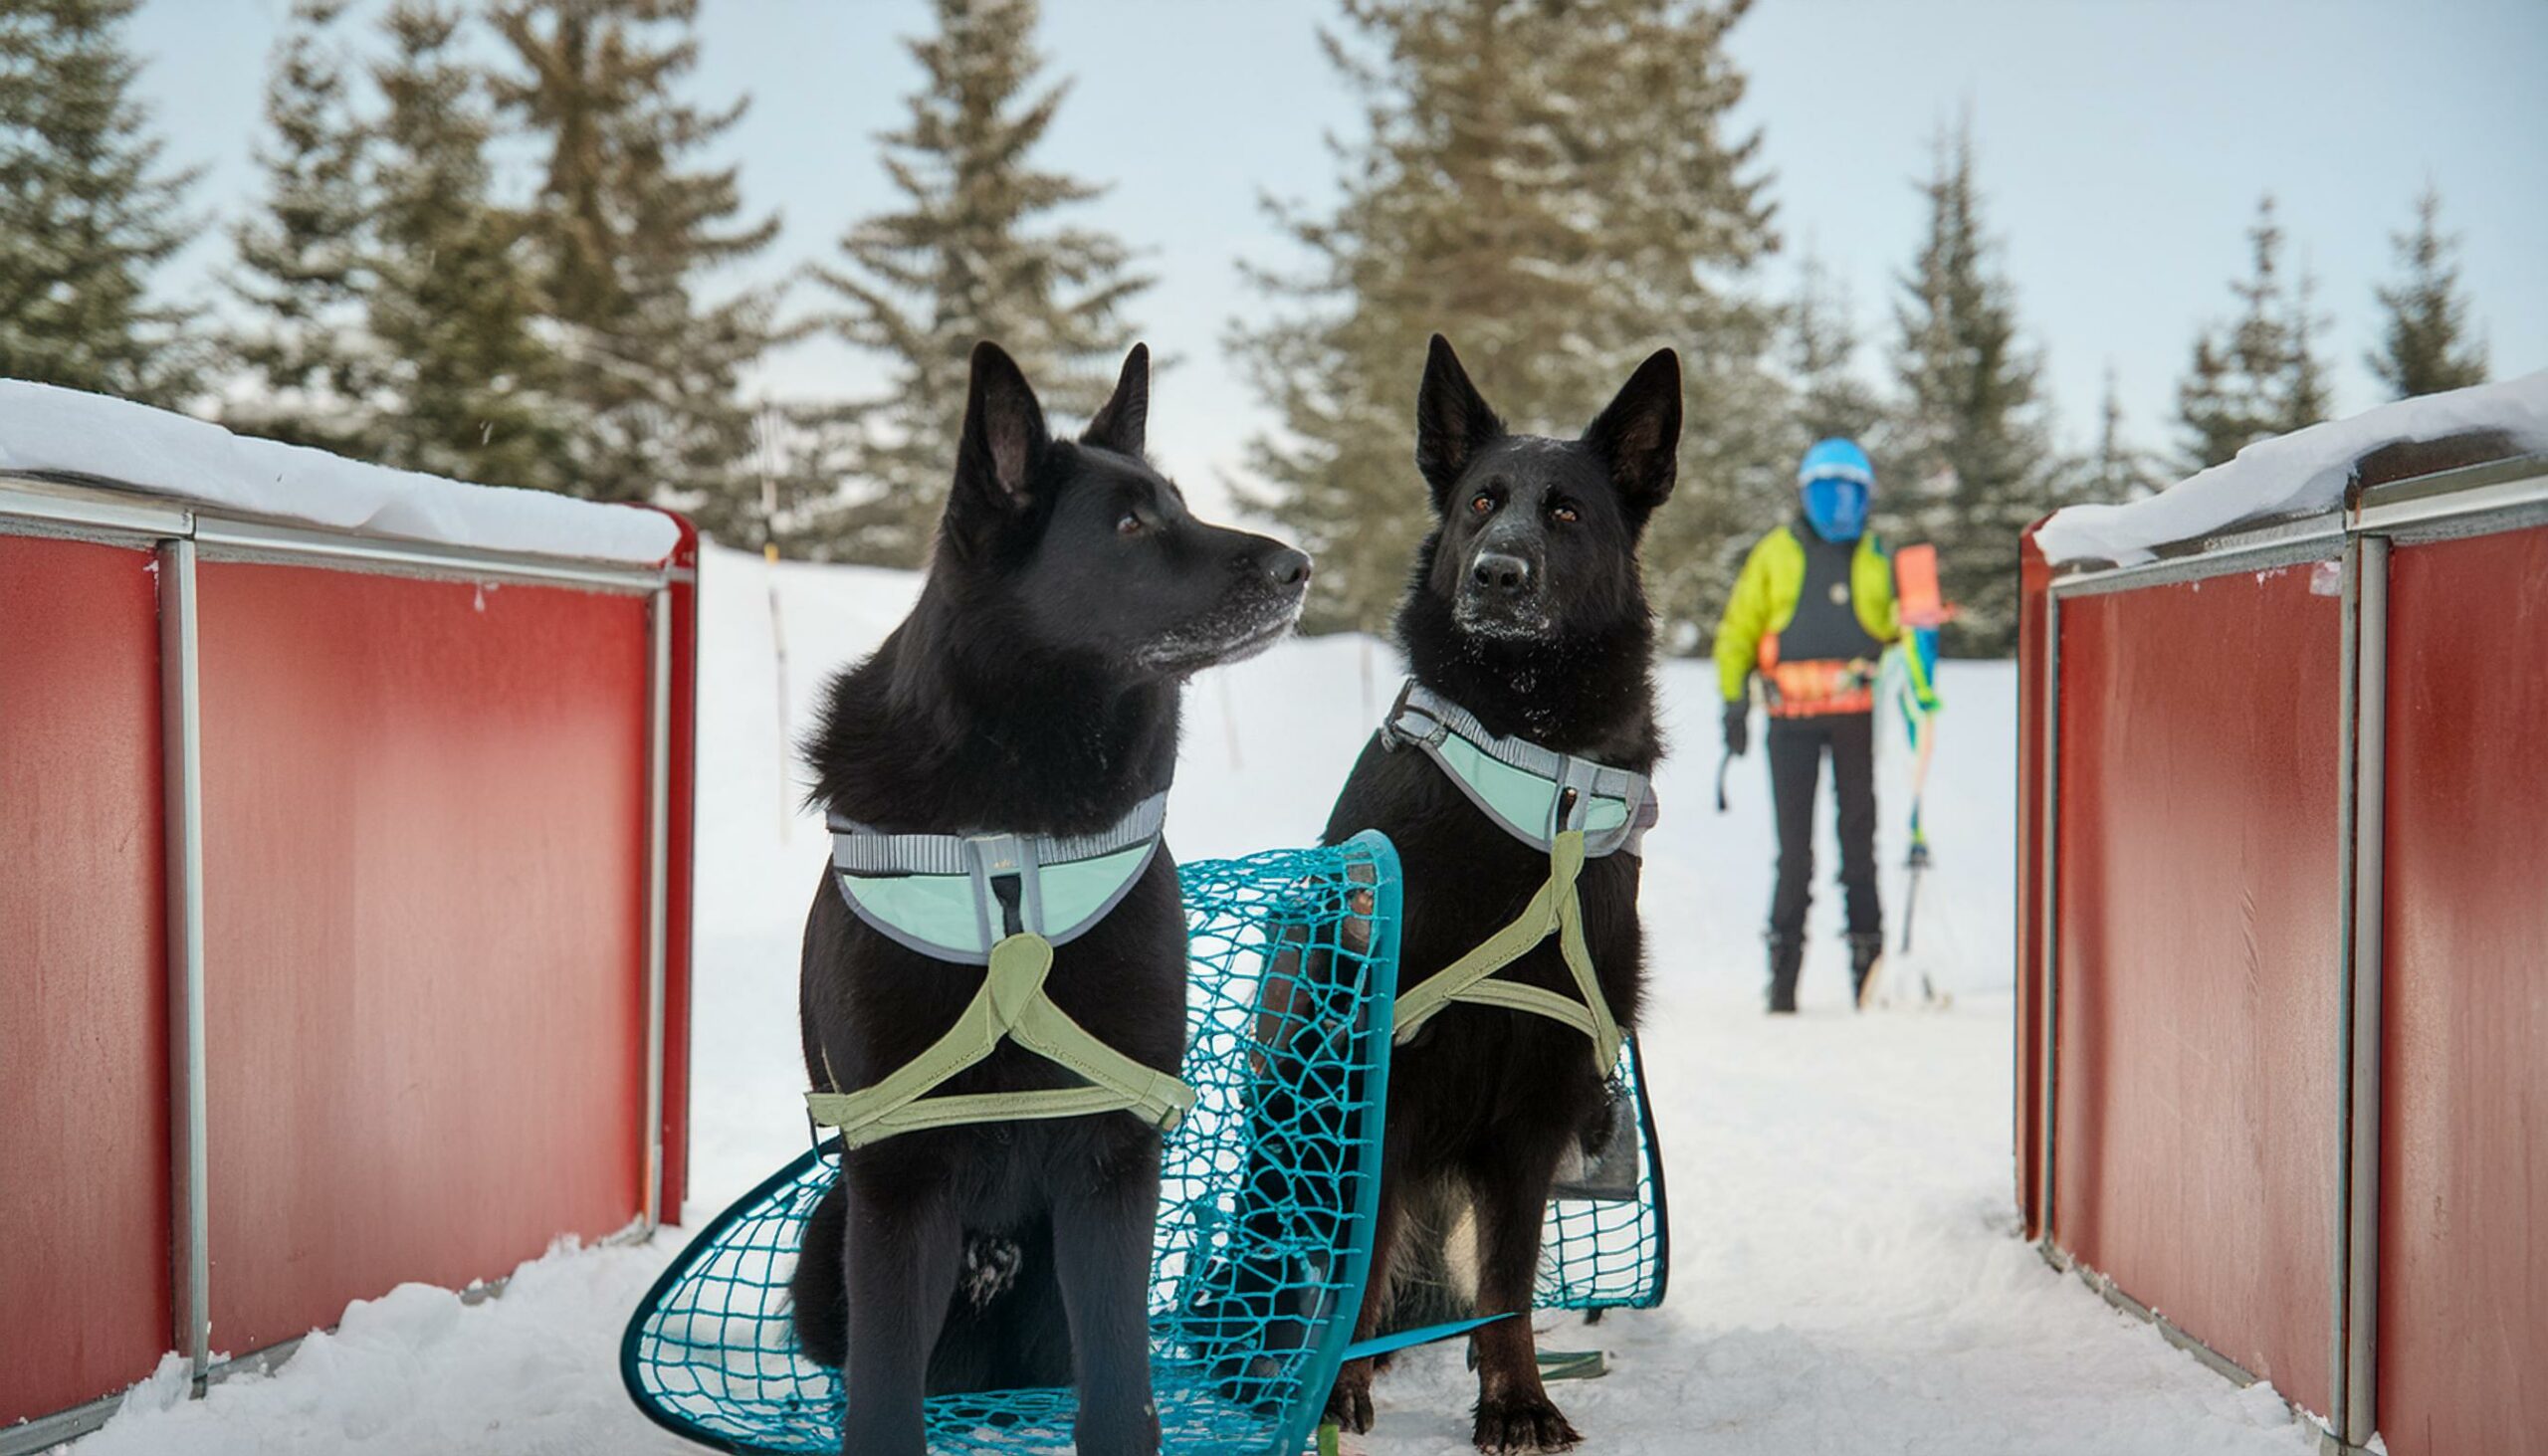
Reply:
x=1915, y=577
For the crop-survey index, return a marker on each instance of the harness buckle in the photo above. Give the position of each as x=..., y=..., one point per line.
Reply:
x=998, y=854
x=1392, y=735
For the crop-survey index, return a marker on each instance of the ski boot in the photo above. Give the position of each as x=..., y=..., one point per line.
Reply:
x=1866, y=958
x=1787, y=956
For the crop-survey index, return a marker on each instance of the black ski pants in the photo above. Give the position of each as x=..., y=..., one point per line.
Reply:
x=1797, y=747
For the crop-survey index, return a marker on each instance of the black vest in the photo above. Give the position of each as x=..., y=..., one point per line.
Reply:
x=1826, y=626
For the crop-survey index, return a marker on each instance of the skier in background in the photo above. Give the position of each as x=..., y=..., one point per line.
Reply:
x=1812, y=615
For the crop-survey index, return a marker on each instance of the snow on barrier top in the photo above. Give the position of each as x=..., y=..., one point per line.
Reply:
x=50, y=431
x=2298, y=474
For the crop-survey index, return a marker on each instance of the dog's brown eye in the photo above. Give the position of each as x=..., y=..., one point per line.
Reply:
x=1482, y=505
x=1565, y=515
x=1130, y=524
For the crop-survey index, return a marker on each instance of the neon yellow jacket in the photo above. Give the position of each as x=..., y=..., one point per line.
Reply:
x=1765, y=596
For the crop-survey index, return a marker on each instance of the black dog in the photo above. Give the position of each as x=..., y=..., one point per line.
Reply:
x=1526, y=608
x=1033, y=690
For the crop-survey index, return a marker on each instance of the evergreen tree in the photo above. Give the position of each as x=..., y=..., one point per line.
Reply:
x=2117, y=471
x=1831, y=399
x=301, y=268
x=1558, y=188
x=467, y=384
x=972, y=254
x=2259, y=375
x=85, y=210
x=2425, y=347
x=1970, y=461
x=625, y=228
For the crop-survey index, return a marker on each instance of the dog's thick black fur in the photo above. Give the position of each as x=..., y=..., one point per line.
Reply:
x=1032, y=690
x=1527, y=608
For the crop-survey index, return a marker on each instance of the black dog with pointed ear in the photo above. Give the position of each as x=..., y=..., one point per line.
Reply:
x=1535, y=542
x=1526, y=608
x=999, y=453
x=1123, y=424
x=1639, y=435
x=1453, y=422
x=1033, y=690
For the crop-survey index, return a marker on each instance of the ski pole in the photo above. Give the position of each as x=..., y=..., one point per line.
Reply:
x=1722, y=764
x=1924, y=731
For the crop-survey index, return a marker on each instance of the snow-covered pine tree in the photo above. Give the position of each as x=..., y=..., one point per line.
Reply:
x=973, y=253
x=1969, y=461
x=1558, y=190
x=465, y=383
x=2425, y=347
x=85, y=210
x=299, y=273
x=627, y=225
x=2257, y=375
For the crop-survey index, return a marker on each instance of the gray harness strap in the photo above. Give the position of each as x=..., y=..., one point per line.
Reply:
x=938, y=893
x=1536, y=793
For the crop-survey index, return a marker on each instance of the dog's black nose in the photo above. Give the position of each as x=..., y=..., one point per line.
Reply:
x=1499, y=571
x=1284, y=567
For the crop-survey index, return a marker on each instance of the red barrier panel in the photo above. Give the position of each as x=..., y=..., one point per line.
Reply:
x=84, y=1048
x=2195, y=1082
x=2464, y=1280
x=425, y=848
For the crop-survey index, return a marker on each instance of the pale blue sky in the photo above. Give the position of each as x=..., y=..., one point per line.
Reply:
x=2122, y=146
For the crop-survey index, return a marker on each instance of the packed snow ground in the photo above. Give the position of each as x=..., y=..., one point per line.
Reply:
x=1847, y=1276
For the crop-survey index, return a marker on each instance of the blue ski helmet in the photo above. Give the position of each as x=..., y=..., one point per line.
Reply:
x=1836, y=479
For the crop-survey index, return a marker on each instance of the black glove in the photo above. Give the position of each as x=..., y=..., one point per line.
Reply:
x=1738, y=727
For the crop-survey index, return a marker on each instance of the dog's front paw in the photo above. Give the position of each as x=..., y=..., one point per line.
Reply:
x=1517, y=1423
x=1349, y=1404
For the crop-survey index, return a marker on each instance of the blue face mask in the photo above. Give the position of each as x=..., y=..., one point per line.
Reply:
x=1836, y=509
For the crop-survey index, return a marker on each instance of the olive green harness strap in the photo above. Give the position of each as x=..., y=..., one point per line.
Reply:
x=1554, y=909
x=1010, y=1006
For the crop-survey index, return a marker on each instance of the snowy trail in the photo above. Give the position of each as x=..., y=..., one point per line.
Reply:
x=1846, y=1275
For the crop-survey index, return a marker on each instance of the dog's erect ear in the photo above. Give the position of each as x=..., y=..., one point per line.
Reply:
x=1125, y=420
x=1639, y=434
x=1452, y=422
x=1003, y=442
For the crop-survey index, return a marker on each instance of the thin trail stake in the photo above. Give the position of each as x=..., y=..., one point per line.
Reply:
x=778, y=656
x=1230, y=718
x=766, y=432
x=1366, y=680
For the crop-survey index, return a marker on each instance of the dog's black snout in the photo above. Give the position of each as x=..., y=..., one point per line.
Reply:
x=1284, y=567
x=1500, y=571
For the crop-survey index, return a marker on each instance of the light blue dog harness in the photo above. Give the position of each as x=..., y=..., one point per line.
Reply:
x=937, y=893
x=1570, y=807
x=1003, y=902
x=1534, y=793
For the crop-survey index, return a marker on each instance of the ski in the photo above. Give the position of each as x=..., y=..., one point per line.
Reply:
x=1922, y=610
